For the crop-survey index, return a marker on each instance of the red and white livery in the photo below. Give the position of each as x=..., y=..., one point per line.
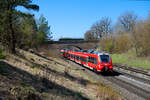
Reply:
x=98, y=61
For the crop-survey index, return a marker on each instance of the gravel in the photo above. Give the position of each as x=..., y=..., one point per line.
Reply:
x=108, y=80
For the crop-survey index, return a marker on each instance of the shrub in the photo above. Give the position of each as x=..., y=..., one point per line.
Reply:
x=122, y=43
x=107, y=44
x=141, y=38
x=116, y=44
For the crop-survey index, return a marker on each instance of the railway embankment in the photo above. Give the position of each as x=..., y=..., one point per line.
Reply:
x=130, y=86
x=31, y=76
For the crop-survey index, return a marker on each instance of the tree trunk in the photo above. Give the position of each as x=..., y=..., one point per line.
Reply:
x=12, y=34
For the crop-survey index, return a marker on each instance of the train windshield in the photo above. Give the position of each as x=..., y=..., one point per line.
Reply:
x=104, y=58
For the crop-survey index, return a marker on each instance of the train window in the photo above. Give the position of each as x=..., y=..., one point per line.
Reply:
x=104, y=58
x=77, y=57
x=83, y=59
x=89, y=60
x=95, y=60
x=92, y=60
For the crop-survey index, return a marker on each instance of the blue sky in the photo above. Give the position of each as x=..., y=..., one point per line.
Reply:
x=72, y=18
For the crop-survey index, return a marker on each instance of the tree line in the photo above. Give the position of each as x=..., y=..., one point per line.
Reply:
x=19, y=29
x=128, y=33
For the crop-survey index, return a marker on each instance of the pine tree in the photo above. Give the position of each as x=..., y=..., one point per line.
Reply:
x=8, y=15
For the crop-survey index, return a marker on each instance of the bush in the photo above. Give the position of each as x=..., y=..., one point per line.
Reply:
x=107, y=44
x=116, y=44
x=122, y=43
x=141, y=38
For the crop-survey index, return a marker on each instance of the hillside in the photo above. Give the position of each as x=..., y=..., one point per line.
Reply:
x=31, y=77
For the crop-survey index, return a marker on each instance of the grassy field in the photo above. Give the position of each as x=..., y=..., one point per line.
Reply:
x=130, y=59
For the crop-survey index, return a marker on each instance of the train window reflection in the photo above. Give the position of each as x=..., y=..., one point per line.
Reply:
x=104, y=58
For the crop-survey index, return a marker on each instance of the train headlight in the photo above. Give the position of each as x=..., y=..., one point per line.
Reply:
x=99, y=66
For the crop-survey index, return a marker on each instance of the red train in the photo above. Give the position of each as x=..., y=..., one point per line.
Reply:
x=98, y=61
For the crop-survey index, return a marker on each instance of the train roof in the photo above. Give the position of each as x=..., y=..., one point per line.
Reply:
x=92, y=51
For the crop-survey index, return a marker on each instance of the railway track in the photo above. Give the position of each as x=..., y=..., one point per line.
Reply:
x=131, y=87
x=134, y=76
x=136, y=73
x=136, y=70
x=115, y=78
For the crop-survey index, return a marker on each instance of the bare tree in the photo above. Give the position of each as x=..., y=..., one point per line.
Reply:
x=102, y=27
x=89, y=35
x=127, y=21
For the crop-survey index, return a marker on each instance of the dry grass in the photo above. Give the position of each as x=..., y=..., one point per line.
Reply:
x=107, y=93
x=35, y=75
x=51, y=52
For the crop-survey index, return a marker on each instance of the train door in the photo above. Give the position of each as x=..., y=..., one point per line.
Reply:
x=92, y=62
x=86, y=61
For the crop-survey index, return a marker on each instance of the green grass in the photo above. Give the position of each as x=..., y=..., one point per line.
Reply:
x=130, y=59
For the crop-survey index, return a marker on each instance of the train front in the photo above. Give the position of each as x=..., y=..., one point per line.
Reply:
x=105, y=64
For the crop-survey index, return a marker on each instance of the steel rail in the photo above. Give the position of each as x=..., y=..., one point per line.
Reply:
x=144, y=72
